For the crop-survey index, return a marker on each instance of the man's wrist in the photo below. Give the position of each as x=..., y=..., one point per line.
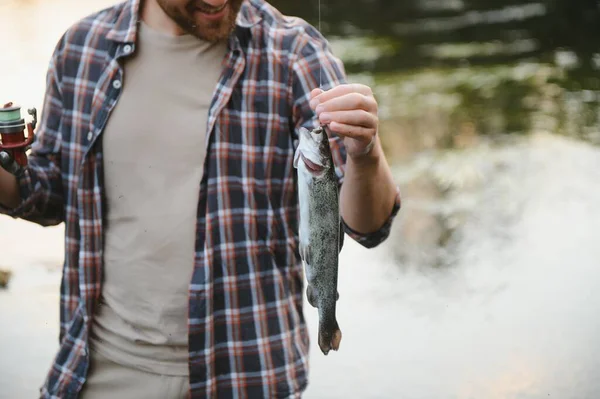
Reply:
x=370, y=158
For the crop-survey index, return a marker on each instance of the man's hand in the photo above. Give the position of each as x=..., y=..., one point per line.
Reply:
x=351, y=112
x=9, y=189
x=368, y=192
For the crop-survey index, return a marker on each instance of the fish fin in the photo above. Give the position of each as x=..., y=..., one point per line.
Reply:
x=341, y=244
x=296, y=157
x=311, y=296
x=330, y=337
x=302, y=132
x=341, y=237
x=305, y=254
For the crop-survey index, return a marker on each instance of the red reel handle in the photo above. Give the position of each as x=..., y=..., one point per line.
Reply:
x=13, y=143
x=22, y=145
x=16, y=146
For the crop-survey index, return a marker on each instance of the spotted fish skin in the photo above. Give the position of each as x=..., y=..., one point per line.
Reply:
x=320, y=230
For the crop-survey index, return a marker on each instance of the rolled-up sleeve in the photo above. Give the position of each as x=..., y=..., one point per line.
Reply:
x=316, y=66
x=373, y=239
x=40, y=182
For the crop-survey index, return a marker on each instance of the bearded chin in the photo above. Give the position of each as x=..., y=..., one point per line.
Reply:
x=211, y=31
x=215, y=31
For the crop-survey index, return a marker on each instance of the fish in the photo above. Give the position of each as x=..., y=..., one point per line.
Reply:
x=320, y=231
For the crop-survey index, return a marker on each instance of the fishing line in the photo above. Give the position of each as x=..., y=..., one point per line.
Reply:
x=320, y=63
x=320, y=66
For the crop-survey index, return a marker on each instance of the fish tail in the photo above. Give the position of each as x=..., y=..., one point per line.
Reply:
x=330, y=334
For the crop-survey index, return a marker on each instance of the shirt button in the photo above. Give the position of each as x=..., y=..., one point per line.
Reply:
x=117, y=84
x=90, y=136
x=127, y=49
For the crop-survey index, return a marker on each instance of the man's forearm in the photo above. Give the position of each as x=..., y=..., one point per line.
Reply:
x=9, y=190
x=368, y=192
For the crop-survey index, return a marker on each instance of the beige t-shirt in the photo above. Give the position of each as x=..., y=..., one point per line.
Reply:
x=154, y=152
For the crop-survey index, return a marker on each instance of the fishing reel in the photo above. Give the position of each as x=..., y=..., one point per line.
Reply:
x=13, y=142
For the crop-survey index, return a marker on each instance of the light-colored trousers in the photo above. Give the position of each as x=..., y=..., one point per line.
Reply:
x=107, y=379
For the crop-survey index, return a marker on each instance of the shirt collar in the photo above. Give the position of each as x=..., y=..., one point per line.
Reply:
x=125, y=28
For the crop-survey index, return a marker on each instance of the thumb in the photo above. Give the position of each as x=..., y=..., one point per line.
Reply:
x=315, y=92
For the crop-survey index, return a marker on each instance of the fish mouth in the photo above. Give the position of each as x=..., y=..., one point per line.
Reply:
x=312, y=167
x=309, y=152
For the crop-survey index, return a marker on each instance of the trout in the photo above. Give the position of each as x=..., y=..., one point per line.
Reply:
x=320, y=232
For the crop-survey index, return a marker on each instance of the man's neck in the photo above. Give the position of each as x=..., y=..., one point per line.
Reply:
x=154, y=16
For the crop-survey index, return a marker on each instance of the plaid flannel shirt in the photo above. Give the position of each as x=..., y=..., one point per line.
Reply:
x=247, y=334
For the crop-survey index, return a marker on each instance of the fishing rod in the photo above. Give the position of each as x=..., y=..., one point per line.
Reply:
x=13, y=142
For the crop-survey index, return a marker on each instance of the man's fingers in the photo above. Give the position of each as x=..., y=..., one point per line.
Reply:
x=359, y=133
x=350, y=101
x=349, y=111
x=354, y=118
x=345, y=89
x=316, y=92
x=338, y=91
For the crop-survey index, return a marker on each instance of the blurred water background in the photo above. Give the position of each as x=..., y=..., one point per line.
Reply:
x=486, y=287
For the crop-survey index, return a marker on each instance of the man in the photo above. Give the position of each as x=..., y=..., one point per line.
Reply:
x=166, y=147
